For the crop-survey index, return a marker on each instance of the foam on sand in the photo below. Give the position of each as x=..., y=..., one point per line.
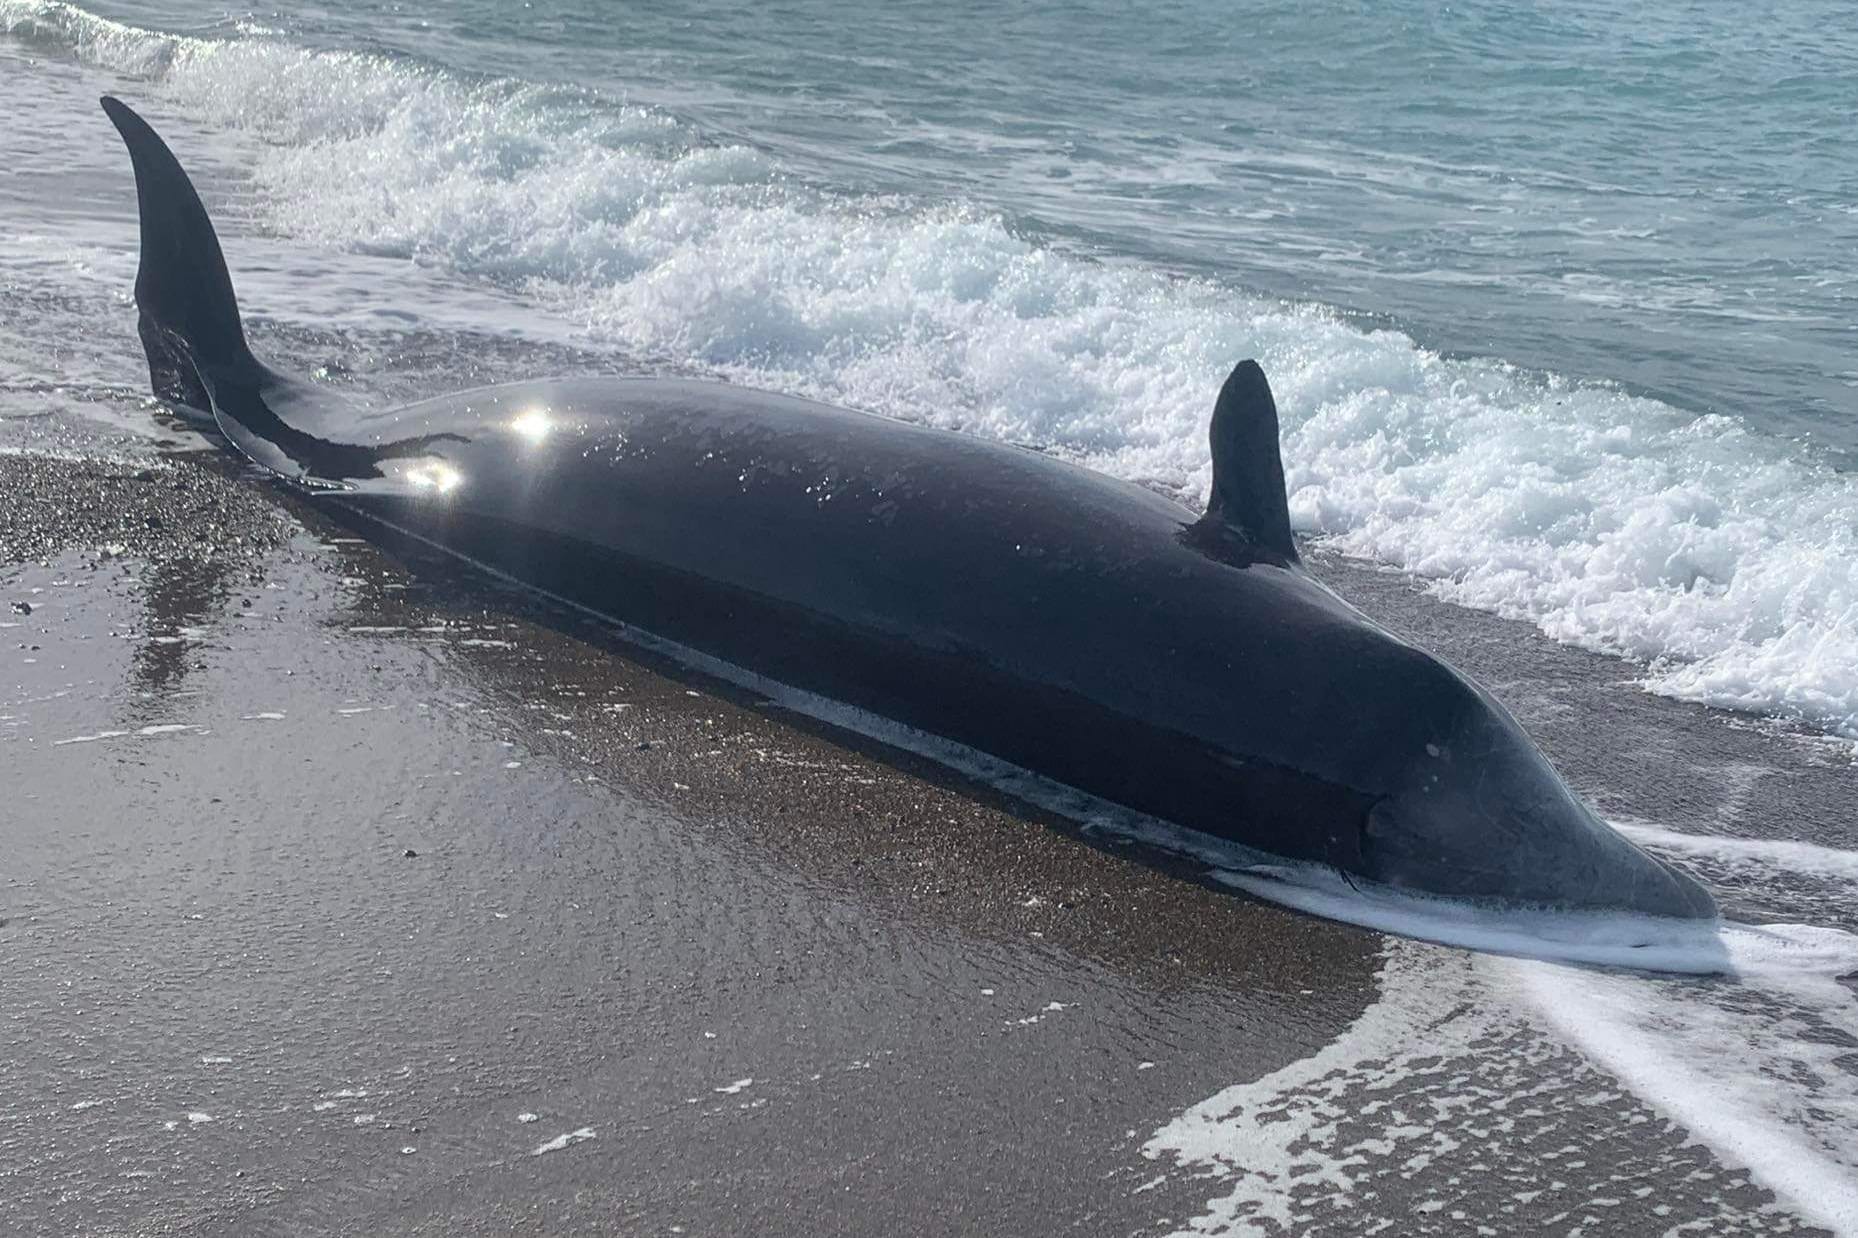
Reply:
x=1763, y=1071
x=153, y=729
x=1458, y=1049
x=1758, y=1071
x=566, y=1140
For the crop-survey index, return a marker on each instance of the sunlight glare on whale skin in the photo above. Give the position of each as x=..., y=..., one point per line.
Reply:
x=532, y=425
x=436, y=477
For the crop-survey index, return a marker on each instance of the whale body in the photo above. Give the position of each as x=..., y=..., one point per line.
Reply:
x=1178, y=664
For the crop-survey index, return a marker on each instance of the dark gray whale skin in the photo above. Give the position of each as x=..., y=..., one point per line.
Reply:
x=1081, y=627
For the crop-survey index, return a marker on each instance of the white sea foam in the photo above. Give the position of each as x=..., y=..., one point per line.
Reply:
x=1763, y=1071
x=1758, y=1071
x=1758, y=1064
x=162, y=728
x=565, y=1140
x=1272, y=1143
x=1466, y=1089
x=1777, y=857
x=1726, y=562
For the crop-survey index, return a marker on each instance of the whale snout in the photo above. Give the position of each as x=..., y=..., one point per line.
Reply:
x=1562, y=863
x=1483, y=815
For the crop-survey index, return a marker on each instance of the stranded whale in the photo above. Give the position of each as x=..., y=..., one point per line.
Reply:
x=1059, y=620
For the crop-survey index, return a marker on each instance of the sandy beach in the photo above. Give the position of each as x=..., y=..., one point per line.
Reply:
x=347, y=894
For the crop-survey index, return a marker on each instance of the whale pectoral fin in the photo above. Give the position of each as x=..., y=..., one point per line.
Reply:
x=1247, y=498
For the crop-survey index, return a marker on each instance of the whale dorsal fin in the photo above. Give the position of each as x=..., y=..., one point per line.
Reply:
x=1247, y=498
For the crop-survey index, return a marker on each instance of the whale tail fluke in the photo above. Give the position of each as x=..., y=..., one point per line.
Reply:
x=188, y=316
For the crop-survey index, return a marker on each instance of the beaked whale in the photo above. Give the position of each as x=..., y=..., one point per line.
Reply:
x=1080, y=627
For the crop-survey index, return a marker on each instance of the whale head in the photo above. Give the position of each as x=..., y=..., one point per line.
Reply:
x=1471, y=808
x=1424, y=781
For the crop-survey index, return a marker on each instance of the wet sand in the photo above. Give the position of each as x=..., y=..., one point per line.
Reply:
x=342, y=893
